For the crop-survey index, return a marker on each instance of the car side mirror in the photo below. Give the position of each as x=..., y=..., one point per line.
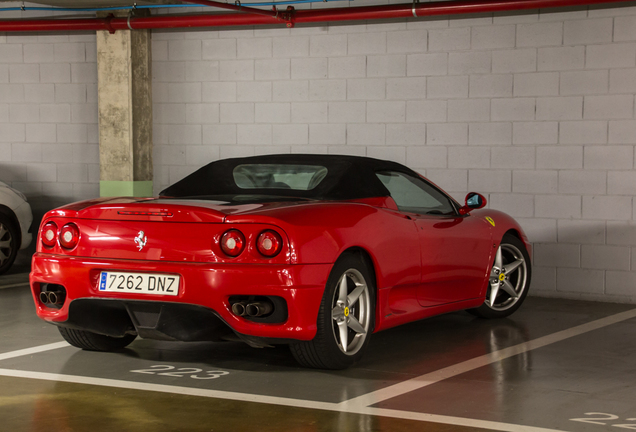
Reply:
x=474, y=201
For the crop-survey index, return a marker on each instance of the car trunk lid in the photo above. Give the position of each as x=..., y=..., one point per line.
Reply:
x=156, y=229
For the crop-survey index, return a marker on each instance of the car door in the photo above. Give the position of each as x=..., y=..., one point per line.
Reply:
x=455, y=250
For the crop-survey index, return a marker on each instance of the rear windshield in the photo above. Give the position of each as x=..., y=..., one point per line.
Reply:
x=278, y=176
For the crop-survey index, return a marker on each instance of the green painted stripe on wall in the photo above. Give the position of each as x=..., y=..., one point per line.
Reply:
x=125, y=188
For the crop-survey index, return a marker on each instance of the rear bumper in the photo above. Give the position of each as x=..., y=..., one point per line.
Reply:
x=206, y=286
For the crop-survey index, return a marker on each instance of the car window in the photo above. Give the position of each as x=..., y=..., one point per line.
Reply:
x=412, y=194
x=279, y=176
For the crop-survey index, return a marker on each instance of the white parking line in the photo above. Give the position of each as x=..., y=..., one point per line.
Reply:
x=14, y=278
x=33, y=350
x=477, y=362
x=16, y=275
x=14, y=285
x=358, y=405
x=295, y=403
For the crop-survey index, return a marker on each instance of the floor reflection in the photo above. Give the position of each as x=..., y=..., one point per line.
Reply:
x=74, y=407
x=503, y=334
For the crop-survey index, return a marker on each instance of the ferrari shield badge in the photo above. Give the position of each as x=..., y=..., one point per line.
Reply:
x=141, y=240
x=488, y=218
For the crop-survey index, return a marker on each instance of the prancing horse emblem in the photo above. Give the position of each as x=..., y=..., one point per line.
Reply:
x=141, y=240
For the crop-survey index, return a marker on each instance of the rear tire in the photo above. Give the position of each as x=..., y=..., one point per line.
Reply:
x=94, y=342
x=509, y=280
x=345, y=319
x=9, y=243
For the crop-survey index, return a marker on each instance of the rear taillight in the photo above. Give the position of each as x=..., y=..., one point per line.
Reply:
x=233, y=242
x=49, y=234
x=269, y=243
x=69, y=236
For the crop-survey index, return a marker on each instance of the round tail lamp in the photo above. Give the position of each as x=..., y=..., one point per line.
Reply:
x=233, y=243
x=269, y=243
x=69, y=236
x=49, y=234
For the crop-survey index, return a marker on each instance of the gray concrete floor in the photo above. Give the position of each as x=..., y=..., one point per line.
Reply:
x=546, y=368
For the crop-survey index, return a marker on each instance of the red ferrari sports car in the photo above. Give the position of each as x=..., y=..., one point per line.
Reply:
x=314, y=251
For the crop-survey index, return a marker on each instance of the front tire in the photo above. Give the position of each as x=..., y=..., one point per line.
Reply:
x=94, y=342
x=345, y=319
x=509, y=280
x=9, y=243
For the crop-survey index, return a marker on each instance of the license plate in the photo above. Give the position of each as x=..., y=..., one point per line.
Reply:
x=139, y=283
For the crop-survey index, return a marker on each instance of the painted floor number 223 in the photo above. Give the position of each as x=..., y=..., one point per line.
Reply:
x=172, y=371
x=604, y=418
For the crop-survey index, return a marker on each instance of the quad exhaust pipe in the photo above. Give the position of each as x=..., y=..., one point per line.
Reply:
x=252, y=309
x=52, y=297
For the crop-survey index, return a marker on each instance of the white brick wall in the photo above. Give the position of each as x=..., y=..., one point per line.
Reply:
x=534, y=109
x=47, y=117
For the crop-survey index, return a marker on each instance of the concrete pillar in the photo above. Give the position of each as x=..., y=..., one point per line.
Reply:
x=125, y=113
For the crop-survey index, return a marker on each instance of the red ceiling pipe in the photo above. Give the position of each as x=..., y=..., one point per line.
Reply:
x=111, y=24
x=50, y=25
x=235, y=8
x=417, y=9
x=303, y=16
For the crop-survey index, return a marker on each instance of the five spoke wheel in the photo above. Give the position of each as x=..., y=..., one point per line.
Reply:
x=345, y=319
x=508, y=275
x=509, y=280
x=351, y=311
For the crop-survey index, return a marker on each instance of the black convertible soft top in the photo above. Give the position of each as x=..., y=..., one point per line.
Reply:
x=348, y=177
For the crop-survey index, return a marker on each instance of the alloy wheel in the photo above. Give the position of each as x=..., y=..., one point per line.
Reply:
x=5, y=243
x=508, y=278
x=351, y=311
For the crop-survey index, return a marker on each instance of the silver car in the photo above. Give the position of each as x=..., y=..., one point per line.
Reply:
x=15, y=222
